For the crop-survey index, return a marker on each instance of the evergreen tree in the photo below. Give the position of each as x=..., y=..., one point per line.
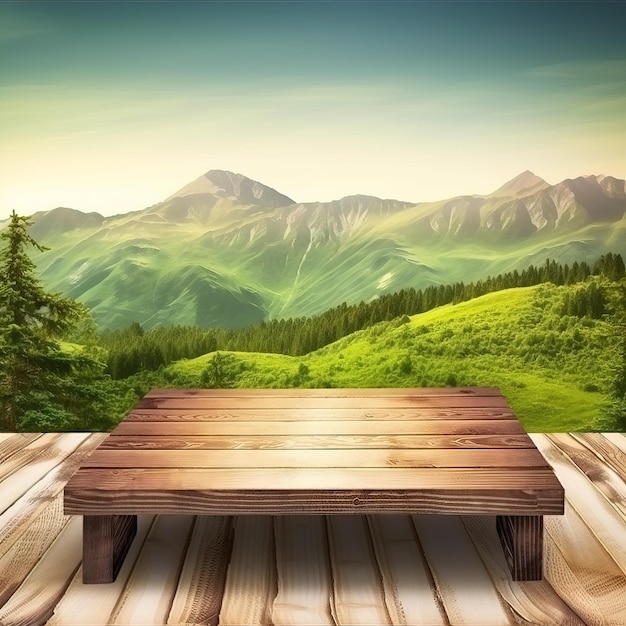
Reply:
x=34, y=372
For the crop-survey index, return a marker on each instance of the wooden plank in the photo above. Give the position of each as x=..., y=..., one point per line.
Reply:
x=606, y=450
x=92, y=605
x=106, y=541
x=33, y=603
x=358, y=595
x=319, y=491
x=285, y=402
x=149, y=592
x=600, y=516
x=17, y=483
x=582, y=451
x=260, y=459
x=276, y=479
x=409, y=590
x=40, y=447
x=454, y=562
x=617, y=439
x=304, y=584
x=310, y=442
x=325, y=392
x=316, y=414
x=251, y=578
x=10, y=443
x=200, y=590
x=339, y=427
x=32, y=504
x=38, y=535
x=535, y=602
x=582, y=572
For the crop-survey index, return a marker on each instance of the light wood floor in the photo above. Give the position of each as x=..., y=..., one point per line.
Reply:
x=383, y=569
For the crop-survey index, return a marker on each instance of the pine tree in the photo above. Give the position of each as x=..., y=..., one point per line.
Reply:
x=32, y=366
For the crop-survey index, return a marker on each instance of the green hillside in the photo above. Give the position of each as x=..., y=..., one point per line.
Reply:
x=555, y=369
x=228, y=252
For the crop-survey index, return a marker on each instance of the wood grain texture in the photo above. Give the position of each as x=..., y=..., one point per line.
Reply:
x=33, y=602
x=467, y=593
x=304, y=585
x=410, y=592
x=330, y=427
x=582, y=571
x=522, y=540
x=92, y=605
x=583, y=452
x=40, y=489
x=251, y=579
x=10, y=443
x=200, y=591
x=534, y=602
x=602, y=518
x=23, y=556
x=18, y=482
x=357, y=597
x=237, y=414
x=316, y=442
x=275, y=452
x=106, y=541
x=325, y=458
x=583, y=584
x=149, y=592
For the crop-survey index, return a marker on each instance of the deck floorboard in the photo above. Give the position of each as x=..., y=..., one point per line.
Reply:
x=255, y=570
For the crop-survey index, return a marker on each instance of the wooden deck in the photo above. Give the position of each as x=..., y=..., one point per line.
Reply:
x=340, y=569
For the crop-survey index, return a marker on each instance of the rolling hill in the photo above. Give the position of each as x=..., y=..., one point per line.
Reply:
x=228, y=251
x=555, y=370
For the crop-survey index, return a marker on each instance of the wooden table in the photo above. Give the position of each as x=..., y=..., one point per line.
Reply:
x=315, y=451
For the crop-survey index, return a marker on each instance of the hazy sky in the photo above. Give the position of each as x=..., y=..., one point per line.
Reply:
x=112, y=106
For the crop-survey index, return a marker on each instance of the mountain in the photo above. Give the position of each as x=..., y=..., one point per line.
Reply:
x=523, y=183
x=226, y=250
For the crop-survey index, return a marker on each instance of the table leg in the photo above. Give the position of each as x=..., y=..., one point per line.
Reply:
x=522, y=540
x=106, y=540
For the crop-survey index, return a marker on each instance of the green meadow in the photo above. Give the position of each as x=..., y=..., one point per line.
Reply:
x=556, y=370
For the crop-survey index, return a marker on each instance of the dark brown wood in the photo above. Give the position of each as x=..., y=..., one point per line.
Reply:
x=522, y=540
x=106, y=541
x=485, y=501
x=318, y=451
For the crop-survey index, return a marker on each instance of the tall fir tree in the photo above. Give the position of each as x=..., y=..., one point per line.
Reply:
x=35, y=375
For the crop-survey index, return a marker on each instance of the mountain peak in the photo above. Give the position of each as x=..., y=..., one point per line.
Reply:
x=225, y=184
x=526, y=182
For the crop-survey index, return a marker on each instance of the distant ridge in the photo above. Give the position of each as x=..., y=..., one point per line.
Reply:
x=225, y=250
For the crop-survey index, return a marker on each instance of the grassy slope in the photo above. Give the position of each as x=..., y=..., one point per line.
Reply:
x=544, y=363
x=141, y=268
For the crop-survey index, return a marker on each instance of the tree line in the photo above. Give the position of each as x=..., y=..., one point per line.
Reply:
x=133, y=349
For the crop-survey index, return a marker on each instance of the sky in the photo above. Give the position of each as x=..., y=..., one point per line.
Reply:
x=113, y=106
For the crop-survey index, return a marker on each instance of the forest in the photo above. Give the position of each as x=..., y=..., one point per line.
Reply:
x=552, y=337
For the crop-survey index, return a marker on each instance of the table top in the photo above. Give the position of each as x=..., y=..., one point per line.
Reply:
x=274, y=451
